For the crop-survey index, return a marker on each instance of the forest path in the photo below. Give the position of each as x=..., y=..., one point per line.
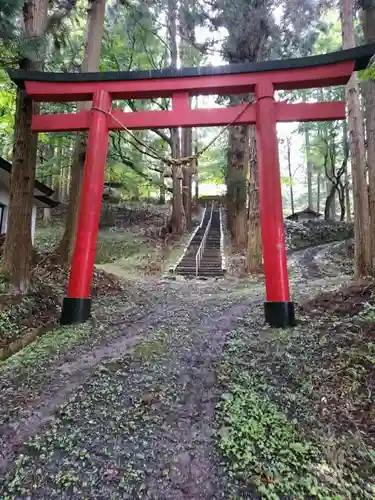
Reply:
x=133, y=416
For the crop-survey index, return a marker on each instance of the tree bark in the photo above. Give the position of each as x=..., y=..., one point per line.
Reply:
x=330, y=196
x=187, y=150
x=346, y=187
x=178, y=216
x=18, y=244
x=238, y=165
x=196, y=175
x=368, y=23
x=58, y=184
x=288, y=145
x=254, y=257
x=341, y=196
x=309, y=167
x=187, y=32
x=318, y=181
x=162, y=190
x=355, y=123
x=47, y=210
x=91, y=60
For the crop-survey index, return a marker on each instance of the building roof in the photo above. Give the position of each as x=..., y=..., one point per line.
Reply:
x=42, y=193
x=307, y=210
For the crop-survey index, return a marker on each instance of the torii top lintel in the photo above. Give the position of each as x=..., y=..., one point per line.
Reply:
x=286, y=74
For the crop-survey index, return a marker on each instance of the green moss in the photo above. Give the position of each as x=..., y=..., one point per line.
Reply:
x=56, y=342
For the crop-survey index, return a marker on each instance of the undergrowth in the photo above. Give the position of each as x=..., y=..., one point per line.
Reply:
x=111, y=246
x=274, y=438
x=264, y=449
x=31, y=359
x=8, y=328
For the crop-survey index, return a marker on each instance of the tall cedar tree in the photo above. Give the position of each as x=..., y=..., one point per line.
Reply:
x=26, y=40
x=178, y=220
x=91, y=60
x=18, y=244
x=357, y=149
x=254, y=36
x=187, y=35
x=368, y=23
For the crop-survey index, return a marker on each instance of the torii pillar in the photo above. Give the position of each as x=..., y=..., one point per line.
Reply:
x=279, y=310
x=77, y=304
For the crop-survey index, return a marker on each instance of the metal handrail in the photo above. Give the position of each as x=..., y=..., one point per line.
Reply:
x=201, y=248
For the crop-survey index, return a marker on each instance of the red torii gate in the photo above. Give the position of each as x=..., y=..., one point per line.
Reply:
x=179, y=84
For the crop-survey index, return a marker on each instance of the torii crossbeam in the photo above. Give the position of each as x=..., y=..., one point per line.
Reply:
x=261, y=78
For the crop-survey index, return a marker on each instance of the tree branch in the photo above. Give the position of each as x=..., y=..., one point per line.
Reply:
x=158, y=132
x=130, y=163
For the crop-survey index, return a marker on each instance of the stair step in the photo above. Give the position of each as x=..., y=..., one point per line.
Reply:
x=210, y=263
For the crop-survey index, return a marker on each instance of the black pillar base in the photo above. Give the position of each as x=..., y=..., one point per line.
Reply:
x=279, y=314
x=75, y=311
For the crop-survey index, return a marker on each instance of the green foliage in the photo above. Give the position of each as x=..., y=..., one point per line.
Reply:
x=8, y=327
x=7, y=111
x=47, y=238
x=265, y=449
x=30, y=358
x=4, y=281
x=281, y=403
x=368, y=74
x=112, y=246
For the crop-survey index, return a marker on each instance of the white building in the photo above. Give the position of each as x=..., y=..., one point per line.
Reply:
x=42, y=197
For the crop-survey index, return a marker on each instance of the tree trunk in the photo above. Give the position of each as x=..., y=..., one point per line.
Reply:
x=178, y=215
x=329, y=201
x=348, y=209
x=47, y=210
x=355, y=122
x=238, y=163
x=346, y=188
x=196, y=176
x=58, y=185
x=187, y=150
x=309, y=167
x=318, y=180
x=94, y=36
x=288, y=145
x=368, y=22
x=162, y=190
x=67, y=173
x=254, y=256
x=332, y=202
x=187, y=33
x=237, y=172
x=341, y=196
x=18, y=244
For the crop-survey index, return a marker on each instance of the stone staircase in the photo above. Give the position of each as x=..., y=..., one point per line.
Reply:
x=210, y=264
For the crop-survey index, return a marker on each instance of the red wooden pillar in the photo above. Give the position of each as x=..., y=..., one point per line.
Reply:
x=279, y=310
x=77, y=304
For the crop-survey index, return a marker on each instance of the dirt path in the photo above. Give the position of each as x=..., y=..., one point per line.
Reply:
x=162, y=390
x=133, y=415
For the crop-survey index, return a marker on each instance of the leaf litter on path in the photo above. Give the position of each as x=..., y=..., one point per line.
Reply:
x=143, y=423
